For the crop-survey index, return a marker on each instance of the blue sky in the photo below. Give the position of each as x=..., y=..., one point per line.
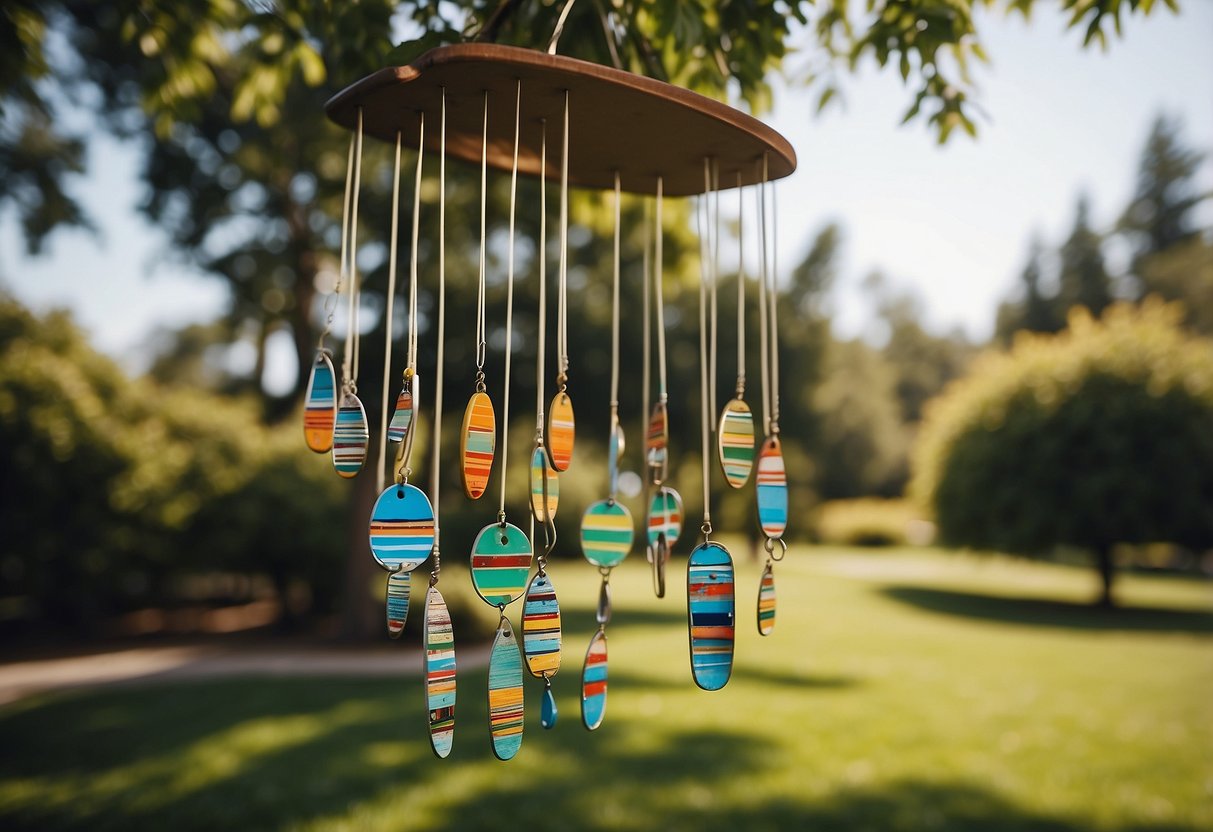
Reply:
x=949, y=223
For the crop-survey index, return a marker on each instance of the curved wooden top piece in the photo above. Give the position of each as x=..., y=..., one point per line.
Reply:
x=617, y=121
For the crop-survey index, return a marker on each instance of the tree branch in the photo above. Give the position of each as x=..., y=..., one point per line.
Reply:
x=504, y=11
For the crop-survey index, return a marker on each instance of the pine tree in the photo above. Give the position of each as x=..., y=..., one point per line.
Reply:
x=1083, y=280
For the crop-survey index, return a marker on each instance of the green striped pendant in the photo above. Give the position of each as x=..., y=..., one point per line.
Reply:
x=735, y=442
x=606, y=533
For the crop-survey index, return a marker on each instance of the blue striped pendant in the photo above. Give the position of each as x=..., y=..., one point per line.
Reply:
x=541, y=635
x=772, y=489
x=320, y=408
x=350, y=437
x=402, y=528
x=594, y=682
x=406, y=409
x=710, y=609
x=397, y=602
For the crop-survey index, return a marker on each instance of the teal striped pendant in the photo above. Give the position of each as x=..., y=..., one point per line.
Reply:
x=710, y=607
x=594, y=682
x=501, y=562
x=606, y=533
x=505, y=693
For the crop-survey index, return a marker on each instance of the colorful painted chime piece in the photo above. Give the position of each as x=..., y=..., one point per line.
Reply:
x=561, y=431
x=505, y=693
x=710, y=605
x=406, y=409
x=665, y=518
x=545, y=487
x=351, y=436
x=320, y=413
x=541, y=640
x=439, y=640
x=657, y=441
x=766, y=601
x=606, y=533
x=402, y=528
x=397, y=602
x=772, y=489
x=594, y=682
x=478, y=441
x=501, y=562
x=735, y=442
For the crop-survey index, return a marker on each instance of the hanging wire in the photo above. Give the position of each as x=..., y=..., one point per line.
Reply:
x=614, y=463
x=657, y=256
x=390, y=304
x=564, y=15
x=481, y=321
x=412, y=333
x=646, y=336
x=436, y=467
x=740, y=288
x=350, y=359
x=763, y=306
x=541, y=345
x=714, y=204
x=509, y=306
x=702, y=217
x=562, y=309
x=773, y=296
x=330, y=305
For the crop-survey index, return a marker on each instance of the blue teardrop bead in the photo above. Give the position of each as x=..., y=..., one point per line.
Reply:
x=547, y=714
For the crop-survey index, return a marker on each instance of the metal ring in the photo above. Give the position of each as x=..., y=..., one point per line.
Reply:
x=769, y=545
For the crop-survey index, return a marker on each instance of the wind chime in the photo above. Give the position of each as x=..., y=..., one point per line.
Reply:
x=495, y=104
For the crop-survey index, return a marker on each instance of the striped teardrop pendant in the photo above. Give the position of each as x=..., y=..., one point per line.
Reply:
x=320, y=410
x=351, y=436
x=477, y=444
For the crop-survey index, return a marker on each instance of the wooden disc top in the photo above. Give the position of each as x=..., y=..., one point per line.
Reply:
x=618, y=121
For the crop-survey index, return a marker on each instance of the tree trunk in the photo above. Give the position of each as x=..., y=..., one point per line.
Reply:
x=1107, y=569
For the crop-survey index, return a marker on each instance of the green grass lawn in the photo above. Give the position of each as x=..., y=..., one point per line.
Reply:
x=901, y=690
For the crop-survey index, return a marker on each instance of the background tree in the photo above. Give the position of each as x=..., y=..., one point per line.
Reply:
x=1083, y=278
x=1093, y=437
x=1035, y=312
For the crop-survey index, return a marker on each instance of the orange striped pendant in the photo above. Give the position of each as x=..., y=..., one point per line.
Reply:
x=561, y=431
x=477, y=444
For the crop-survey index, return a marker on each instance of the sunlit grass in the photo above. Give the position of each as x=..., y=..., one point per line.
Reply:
x=901, y=690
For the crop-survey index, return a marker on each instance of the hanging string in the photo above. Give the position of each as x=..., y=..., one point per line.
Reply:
x=562, y=309
x=481, y=321
x=702, y=217
x=509, y=307
x=714, y=204
x=330, y=305
x=541, y=347
x=413, y=327
x=646, y=347
x=657, y=256
x=763, y=309
x=564, y=14
x=350, y=358
x=389, y=305
x=615, y=344
x=435, y=466
x=773, y=296
x=740, y=288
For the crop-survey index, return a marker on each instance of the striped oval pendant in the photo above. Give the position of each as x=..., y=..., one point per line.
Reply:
x=545, y=487
x=665, y=517
x=594, y=682
x=606, y=533
x=710, y=607
x=350, y=437
x=505, y=693
x=656, y=443
x=406, y=410
x=772, y=489
x=541, y=628
x=402, y=528
x=735, y=442
x=397, y=602
x=439, y=641
x=478, y=441
x=320, y=410
x=501, y=561
x=561, y=431
x=766, y=602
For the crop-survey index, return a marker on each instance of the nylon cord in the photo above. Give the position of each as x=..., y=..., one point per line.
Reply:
x=412, y=333
x=658, y=257
x=646, y=337
x=763, y=308
x=541, y=341
x=390, y=304
x=351, y=335
x=439, y=374
x=481, y=321
x=614, y=463
x=509, y=304
x=702, y=216
x=331, y=304
x=562, y=309
x=773, y=294
x=740, y=287
x=714, y=204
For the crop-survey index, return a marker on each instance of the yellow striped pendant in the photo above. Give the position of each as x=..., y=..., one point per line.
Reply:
x=545, y=487
x=735, y=442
